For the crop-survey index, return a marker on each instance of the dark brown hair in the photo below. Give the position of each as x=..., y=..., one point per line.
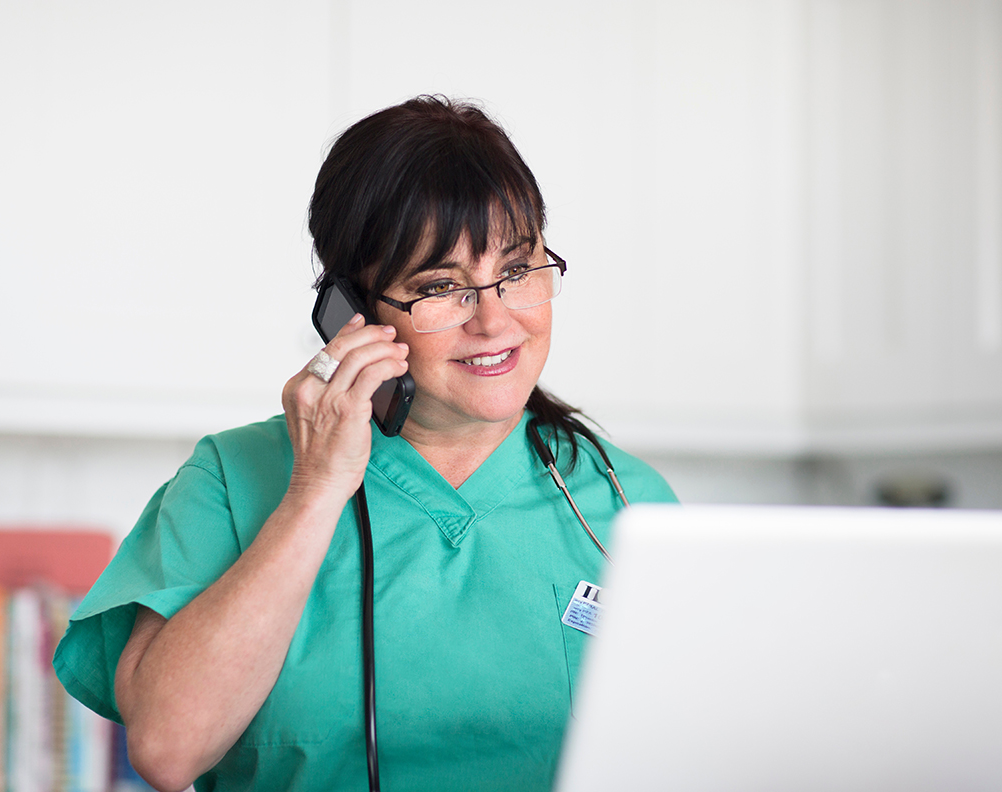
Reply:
x=428, y=166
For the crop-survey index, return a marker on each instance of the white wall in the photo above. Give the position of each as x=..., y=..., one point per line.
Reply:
x=105, y=482
x=99, y=483
x=160, y=160
x=781, y=218
x=157, y=162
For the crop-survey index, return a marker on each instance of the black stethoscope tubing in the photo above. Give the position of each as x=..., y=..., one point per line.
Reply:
x=368, y=639
x=365, y=539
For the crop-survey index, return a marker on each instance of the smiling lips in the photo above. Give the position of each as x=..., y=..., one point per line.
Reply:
x=490, y=360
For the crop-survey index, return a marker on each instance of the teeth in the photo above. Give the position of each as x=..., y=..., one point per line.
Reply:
x=493, y=360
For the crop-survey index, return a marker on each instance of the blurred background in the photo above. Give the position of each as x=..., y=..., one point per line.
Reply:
x=782, y=219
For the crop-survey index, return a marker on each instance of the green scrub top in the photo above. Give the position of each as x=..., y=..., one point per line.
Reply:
x=474, y=669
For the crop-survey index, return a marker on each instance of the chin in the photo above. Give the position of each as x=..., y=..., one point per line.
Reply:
x=498, y=407
x=502, y=404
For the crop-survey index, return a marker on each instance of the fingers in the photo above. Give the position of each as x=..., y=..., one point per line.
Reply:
x=329, y=421
x=367, y=355
x=354, y=342
x=373, y=374
x=359, y=352
x=331, y=349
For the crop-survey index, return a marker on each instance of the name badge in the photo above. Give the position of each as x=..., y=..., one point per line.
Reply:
x=584, y=610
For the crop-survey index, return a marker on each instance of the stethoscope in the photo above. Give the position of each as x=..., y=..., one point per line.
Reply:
x=365, y=537
x=545, y=455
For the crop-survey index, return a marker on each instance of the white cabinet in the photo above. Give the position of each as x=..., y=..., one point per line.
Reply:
x=783, y=218
x=822, y=239
x=904, y=261
x=157, y=162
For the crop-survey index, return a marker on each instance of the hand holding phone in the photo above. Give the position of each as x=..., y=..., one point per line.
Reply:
x=337, y=302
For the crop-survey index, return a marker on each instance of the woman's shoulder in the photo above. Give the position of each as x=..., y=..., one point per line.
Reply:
x=191, y=531
x=264, y=444
x=643, y=482
x=269, y=434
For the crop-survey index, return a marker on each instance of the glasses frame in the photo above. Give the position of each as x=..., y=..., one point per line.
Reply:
x=408, y=306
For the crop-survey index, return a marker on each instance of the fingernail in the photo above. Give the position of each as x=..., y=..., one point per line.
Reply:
x=390, y=329
x=356, y=319
x=402, y=345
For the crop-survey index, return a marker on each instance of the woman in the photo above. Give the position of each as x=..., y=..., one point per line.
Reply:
x=226, y=632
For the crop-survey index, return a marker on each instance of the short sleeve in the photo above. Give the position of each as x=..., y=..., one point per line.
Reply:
x=184, y=541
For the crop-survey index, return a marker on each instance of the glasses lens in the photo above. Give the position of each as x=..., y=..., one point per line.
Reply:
x=442, y=311
x=523, y=290
x=531, y=288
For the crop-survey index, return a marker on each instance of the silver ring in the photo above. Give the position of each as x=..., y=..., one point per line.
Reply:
x=323, y=366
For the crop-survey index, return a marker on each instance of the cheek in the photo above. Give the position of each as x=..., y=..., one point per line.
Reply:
x=540, y=323
x=425, y=349
x=388, y=315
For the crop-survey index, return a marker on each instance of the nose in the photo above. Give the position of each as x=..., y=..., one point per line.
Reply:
x=491, y=317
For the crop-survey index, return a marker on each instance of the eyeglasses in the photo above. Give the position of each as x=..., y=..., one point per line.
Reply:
x=525, y=289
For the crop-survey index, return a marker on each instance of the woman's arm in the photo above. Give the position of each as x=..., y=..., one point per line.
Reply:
x=188, y=687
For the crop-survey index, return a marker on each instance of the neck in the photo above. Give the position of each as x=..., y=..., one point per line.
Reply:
x=459, y=451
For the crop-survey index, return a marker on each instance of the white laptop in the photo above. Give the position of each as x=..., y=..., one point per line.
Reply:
x=806, y=649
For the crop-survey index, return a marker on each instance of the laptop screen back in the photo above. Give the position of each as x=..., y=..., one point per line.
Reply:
x=794, y=649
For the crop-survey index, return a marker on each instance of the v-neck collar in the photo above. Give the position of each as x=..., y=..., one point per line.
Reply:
x=455, y=511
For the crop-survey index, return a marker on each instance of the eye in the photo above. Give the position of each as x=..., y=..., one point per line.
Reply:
x=515, y=272
x=515, y=269
x=436, y=287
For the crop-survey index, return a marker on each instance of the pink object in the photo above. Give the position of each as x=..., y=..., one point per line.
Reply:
x=69, y=558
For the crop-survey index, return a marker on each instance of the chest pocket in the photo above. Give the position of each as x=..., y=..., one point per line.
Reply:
x=575, y=641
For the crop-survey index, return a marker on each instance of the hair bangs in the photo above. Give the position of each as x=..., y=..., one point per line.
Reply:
x=404, y=186
x=460, y=192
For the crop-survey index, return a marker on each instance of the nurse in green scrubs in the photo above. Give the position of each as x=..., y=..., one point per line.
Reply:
x=226, y=632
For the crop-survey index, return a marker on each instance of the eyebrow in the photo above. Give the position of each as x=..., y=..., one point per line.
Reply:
x=451, y=265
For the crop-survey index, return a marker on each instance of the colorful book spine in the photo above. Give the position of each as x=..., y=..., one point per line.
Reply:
x=29, y=764
x=4, y=693
x=49, y=742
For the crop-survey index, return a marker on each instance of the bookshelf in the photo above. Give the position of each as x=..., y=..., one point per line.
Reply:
x=49, y=742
